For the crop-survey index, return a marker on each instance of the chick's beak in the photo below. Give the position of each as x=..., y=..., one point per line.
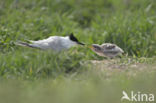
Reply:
x=90, y=46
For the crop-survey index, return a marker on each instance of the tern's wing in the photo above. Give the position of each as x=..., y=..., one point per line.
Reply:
x=45, y=43
x=53, y=42
x=20, y=43
x=41, y=44
x=50, y=39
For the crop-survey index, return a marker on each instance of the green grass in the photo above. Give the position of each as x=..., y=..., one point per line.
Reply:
x=88, y=87
x=40, y=76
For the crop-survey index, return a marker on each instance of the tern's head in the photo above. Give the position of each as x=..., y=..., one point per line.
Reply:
x=74, y=39
x=97, y=48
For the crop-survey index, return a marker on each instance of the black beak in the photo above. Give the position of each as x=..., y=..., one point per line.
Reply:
x=80, y=43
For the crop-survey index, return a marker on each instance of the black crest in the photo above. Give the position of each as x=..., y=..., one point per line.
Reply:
x=73, y=38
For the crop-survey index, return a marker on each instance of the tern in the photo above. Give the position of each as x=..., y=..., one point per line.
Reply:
x=107, y=50
x=56, y=43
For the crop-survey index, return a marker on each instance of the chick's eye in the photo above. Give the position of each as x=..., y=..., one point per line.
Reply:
x=97, y=48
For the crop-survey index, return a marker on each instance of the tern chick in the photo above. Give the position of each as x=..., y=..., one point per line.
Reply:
x=56, y=43
x=107, y=50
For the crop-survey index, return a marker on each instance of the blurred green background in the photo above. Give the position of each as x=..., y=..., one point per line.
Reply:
x=34, y=76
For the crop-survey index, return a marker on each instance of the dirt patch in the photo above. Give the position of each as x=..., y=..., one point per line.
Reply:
x=117, y=64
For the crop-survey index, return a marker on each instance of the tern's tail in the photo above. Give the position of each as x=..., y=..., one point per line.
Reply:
x=25, y=44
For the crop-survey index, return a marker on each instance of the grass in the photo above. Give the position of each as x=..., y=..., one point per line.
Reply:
x=95, y=85
x=76, y=75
